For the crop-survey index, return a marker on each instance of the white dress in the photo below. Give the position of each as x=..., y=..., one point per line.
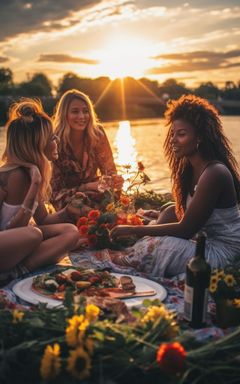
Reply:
x=7, y=211
x=167, y=255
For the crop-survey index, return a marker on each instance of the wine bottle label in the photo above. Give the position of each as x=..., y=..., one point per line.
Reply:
x=188, y=302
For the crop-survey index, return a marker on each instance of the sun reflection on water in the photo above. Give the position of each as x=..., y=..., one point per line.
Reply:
x=125, y=152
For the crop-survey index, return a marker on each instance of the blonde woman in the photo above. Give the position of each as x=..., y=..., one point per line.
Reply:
x=83, y=150
x=24, y=187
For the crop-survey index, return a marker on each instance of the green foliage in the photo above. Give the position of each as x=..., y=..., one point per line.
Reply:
x=151, y=200
x=124, y=350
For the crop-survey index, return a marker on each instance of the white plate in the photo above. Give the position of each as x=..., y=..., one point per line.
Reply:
x=23, y=290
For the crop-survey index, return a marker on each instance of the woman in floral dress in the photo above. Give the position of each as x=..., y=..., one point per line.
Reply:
x=84, y=150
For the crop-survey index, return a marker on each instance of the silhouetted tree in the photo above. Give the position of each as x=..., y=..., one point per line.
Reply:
x=208, y=90
x=38, y=85
x=172, y=88
x=231, y=91
x=6, y=81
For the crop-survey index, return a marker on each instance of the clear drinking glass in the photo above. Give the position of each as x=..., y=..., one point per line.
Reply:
x=105, y=183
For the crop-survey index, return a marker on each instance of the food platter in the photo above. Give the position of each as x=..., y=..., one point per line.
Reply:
x=23, y=289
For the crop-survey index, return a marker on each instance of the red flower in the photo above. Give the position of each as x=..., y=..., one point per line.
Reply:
x=136, y=220
x=125, y=200
x=121, y=221
x=82, y=221
x=94, y=214
x=171, y=357
x=92, y=222
x=92, y=240
x=83, y=229
x=140, y=166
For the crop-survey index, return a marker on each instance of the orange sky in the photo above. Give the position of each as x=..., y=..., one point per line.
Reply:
x=191, y=42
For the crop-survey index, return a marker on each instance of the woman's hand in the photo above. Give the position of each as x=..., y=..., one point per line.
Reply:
x=78, y=206
x=121, y=231
x=92, y=186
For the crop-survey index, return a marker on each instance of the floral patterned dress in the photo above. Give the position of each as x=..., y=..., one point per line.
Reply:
x=69, y=174
x=167, y=256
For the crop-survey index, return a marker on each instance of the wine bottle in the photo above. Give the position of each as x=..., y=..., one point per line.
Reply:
x=197, y=281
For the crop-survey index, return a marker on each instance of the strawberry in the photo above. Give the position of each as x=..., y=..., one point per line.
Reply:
x=61, y=288
x=94, y=279
x=60, y=279
x=75, y=276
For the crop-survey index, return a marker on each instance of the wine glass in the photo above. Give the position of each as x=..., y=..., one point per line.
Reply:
x=105, y=183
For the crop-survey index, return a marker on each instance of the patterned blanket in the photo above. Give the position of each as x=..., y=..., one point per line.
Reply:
x=174, y=286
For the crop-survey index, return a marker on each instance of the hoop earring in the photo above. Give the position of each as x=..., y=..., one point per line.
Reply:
x=198, y=143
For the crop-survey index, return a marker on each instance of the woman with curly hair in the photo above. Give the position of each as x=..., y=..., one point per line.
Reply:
x=24, y=187
x=84, y=151
x=206, y=189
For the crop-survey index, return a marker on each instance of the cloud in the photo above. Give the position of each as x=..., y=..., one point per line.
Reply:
x=196, y=61
x=63, y=58
x=3, y=59
x=24, y=16
x=208, y=55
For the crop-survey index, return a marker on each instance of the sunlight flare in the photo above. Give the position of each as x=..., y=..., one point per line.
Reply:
x=123, y=57
x=125, y=154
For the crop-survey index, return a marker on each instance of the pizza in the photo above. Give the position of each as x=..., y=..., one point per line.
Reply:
x=83, y=283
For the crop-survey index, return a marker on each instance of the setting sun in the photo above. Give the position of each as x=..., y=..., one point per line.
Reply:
x=124, y=57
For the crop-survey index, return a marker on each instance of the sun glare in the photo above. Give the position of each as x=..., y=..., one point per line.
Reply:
x=125, y=150
x=124, y=57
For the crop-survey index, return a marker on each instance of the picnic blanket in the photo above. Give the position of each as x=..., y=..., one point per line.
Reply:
x=174, y=287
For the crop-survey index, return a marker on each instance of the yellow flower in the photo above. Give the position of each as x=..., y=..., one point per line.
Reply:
x=89, y=344
x=74, y=332
x=51, y=363
x=229, y=280
x=236, y=303
x=110, y=207
x=83, y=326
x=92, y=312
x=213, y=288
x=214, y=279
x=79, y=363
x=220, y=273
x=17, y=316
x=154, y=313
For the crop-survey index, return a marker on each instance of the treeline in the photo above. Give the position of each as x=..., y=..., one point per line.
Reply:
x=114, y=100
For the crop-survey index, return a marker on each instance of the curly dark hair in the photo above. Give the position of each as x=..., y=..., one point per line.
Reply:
x=214, y=145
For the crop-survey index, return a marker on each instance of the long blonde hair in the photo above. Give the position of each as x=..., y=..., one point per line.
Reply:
x=60, y=123
x=29, y=129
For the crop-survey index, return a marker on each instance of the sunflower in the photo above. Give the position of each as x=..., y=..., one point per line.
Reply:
x=79, y=363
x=50, y=363
x=17, y=316
x=213, y=288
x=154, y=313
x=92, y=312
x=229, y=280
x=75, y=330
x=214, y=279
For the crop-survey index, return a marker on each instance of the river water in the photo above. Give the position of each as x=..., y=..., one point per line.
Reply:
x=142, y=140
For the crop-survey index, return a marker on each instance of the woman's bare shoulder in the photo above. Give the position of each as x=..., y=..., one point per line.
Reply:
x=218, y=171
x=18, y=182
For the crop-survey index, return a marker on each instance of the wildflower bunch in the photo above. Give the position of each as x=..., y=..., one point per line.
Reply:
x=95, y=227
x=225, y=283
x=134, y=179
